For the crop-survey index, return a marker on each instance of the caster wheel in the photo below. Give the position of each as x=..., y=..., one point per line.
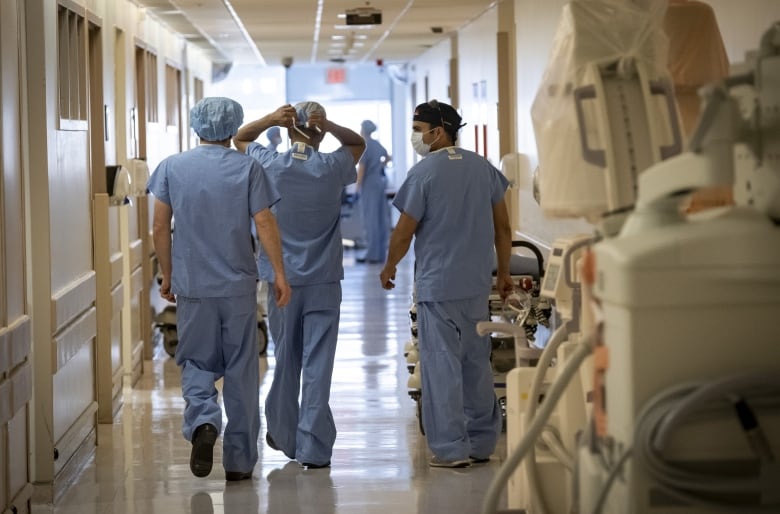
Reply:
x=416, y=395
x=262, y=337
x=419, y=416
x=502, y=405
x=170, y=341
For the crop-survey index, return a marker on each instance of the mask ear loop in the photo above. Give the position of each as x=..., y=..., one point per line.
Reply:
x=308, y=125
x=301, y=132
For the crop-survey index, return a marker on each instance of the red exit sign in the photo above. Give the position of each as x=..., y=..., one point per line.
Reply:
x=336, y=76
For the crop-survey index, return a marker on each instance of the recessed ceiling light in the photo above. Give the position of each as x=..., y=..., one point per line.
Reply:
x=353, y=27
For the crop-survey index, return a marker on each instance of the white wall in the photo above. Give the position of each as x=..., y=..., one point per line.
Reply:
x=434, y=66
x=742, y=23
x=535, y=24
x=478, y=84
x=476, y=81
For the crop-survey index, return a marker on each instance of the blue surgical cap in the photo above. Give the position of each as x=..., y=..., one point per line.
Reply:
x=272, y=133
x=304, y=109
x=216, y=118
x=367, y=126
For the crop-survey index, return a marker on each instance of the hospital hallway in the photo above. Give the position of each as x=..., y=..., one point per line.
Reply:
x=380, y=461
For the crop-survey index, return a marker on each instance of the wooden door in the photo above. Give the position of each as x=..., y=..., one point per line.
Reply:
x=15, y=335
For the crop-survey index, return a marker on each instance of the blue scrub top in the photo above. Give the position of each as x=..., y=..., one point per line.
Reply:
x=214, y=192
x=451, y=194
x=309, y=215
x=372, y=159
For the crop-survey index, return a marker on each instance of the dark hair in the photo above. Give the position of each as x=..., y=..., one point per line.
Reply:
x=439, y=114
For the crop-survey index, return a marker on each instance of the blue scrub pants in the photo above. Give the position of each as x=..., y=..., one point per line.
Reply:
x=218, y=338
x=305, y=334
x=376, y=218
x=461, y=415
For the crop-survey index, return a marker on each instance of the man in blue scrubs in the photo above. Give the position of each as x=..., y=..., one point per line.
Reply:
x=208, y=268
x=305, y=332
x=371, y=183
x=452, y=203
x=274, y=136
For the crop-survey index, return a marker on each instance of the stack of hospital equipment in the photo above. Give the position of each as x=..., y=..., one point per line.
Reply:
x=607, y=93
x=664, y=397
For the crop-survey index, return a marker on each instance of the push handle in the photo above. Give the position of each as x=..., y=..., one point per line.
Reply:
x=592, y=156
x=535, y=250
x=663, y=87
x=487, y=327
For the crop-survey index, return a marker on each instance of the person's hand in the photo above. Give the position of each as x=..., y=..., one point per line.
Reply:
x=317, y=121
x=165, y=290
x=284, y=116
x=387, y=276
x=282, y=291
x=504, y=285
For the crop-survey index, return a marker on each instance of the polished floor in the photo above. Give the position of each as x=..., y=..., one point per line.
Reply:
x=380, y=462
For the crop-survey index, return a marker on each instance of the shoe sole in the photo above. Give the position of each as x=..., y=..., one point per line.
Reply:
x=235, y=476
x=451, y=465
x=202, y=456
x=308, y=465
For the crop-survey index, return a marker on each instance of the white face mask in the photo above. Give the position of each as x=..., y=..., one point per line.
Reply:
x=421, y=148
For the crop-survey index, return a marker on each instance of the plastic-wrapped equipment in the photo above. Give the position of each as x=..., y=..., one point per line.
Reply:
x=605, y=110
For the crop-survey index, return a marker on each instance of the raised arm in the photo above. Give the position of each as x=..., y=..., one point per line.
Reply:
x=347, y=137
x=249, y=132
x=361, y=171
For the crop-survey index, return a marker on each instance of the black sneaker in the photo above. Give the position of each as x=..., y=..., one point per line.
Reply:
x=234, y=476
x=477, y=460
x=309, y=465
x=202, y=454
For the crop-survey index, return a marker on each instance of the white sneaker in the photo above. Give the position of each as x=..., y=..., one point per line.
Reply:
x=439, y=463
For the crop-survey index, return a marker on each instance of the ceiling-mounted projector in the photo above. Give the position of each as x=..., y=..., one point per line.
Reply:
x=364, y=16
